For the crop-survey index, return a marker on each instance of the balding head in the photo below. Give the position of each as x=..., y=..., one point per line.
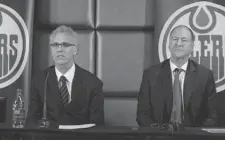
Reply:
x=185, y=27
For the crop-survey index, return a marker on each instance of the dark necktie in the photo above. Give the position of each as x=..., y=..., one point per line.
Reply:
x=177, y=109
x=64, y=91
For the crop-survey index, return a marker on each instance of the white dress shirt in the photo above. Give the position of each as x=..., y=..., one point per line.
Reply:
x=69, y=76
x=181, y=76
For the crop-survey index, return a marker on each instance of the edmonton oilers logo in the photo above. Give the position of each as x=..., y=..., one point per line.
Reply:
x=207, y=21
x=14, y=45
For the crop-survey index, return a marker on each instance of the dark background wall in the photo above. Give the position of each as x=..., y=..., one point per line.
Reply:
x=118, y=40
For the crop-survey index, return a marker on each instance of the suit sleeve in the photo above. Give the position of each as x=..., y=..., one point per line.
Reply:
x=97, y=105
x=34, y=110
x=143, y=107
x=211, y=104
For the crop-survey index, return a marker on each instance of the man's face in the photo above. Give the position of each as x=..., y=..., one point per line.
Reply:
x=63, y=47
x=181, y=44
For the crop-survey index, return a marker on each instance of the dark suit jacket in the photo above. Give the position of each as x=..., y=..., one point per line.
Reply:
x=156, y=96
x=86, y=105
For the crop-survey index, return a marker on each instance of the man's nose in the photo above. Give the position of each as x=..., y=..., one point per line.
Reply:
x=60, y=48
x=179, y=42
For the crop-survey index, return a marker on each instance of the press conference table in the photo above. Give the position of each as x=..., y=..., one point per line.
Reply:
x=108, y=133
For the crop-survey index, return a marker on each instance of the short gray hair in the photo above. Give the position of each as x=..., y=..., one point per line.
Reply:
x=64, y=29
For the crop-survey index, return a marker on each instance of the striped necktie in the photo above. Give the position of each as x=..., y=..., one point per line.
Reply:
x=64, y=91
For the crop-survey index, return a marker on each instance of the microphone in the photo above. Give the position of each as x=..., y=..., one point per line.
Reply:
x=44, y=123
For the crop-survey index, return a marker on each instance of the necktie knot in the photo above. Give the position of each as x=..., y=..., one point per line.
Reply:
x=177, y=71
x=63, y=79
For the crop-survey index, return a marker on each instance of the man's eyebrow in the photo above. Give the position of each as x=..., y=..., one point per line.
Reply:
x=180, y=37
x=184, y=38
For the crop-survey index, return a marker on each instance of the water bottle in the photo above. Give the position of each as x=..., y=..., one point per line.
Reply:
x=18, y=113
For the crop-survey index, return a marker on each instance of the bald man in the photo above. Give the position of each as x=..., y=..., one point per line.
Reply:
x=178, y=90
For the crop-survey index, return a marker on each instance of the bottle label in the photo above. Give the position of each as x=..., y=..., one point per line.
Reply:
x=16, y=111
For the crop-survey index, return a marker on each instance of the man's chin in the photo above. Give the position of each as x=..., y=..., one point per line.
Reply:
x=181, y=56
x=60, y=62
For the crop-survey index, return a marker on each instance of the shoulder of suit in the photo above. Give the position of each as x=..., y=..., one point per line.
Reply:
x=156, y=67
x=89, y=77
x=200, y=67
x=42, y=73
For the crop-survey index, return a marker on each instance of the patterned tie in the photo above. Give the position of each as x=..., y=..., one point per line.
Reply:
x=177, y=110
x=64, y=91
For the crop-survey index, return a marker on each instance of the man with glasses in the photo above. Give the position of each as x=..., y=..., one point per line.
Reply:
x=177, y=92
x=73, y=95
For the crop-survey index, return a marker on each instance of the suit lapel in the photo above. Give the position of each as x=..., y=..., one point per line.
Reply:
x=189, y=82
x=77, y=83
x=166, y=80
x=53, y=86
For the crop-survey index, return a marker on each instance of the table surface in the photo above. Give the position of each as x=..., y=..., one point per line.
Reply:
x=110, y=133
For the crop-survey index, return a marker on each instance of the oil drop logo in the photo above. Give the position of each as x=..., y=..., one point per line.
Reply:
x=14, y=45
x=207, y=21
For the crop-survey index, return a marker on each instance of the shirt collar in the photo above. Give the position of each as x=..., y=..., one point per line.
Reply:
x=69, y=74
x=173, y=66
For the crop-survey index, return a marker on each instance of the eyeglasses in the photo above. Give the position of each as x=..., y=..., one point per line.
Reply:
x=63, y=45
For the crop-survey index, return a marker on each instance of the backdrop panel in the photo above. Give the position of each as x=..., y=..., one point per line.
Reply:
x=124, y=13
x=121, y=59
x=71, y=12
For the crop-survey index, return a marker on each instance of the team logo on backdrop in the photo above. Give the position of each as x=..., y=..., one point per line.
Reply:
x=14, y=45
x=207, y=20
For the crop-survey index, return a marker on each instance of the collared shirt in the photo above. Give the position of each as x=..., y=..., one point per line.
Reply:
x=69, y=76
x=181, y=76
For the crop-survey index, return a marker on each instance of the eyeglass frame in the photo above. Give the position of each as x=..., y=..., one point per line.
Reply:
x=64, y=45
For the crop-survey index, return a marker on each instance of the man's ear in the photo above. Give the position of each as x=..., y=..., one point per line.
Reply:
x=75, y=50
x=193, y=45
